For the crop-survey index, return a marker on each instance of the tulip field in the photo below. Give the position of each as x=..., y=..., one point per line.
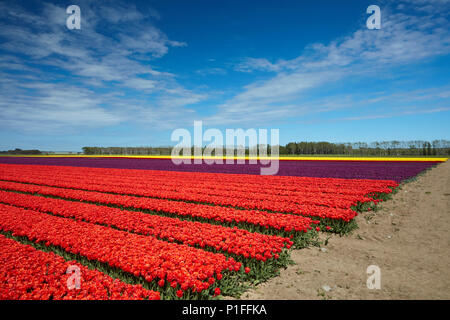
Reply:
x=144, y=229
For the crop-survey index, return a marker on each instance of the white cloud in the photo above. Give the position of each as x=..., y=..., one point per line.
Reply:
x=54, y=107
x=102, y=56
x=392, y=115
x=211, y=71
x=404, y=38
x=120, y=13
x=252, y=64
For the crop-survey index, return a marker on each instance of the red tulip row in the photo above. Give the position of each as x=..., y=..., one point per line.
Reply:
x=231, y=240
x=244, y=193
x=30, y=274
x=167, y=188
x=278, y=221
x=154, y=260
x=303, y=186
x=229, y=181
x=223, y=200
x=187, y=193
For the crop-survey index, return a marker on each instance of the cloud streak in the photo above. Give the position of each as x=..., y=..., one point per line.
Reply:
x=406, y=37
x=63, y=69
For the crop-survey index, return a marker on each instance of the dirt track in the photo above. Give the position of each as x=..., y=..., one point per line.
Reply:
x=409, y=239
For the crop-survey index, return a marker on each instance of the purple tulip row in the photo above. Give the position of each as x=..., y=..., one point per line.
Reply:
x=379, y=170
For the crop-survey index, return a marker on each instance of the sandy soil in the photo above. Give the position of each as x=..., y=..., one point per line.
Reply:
x=408, y=239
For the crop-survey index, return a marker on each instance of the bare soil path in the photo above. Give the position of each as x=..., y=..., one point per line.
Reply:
x=408, y=239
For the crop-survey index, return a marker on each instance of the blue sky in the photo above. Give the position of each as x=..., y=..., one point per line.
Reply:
x=137, y=70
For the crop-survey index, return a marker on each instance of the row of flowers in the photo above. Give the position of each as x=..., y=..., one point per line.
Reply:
x=156, y=261
x=304, y=187
x=230, y=240
x=272, y=204
x=291, y=183
x=329, y=195
x=244, y=193
x=276, y=221
x=30, y=274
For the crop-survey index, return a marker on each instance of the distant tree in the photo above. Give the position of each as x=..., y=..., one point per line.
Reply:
x=376, y=148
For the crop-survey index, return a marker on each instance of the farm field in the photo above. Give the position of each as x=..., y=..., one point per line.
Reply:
x=147, y=229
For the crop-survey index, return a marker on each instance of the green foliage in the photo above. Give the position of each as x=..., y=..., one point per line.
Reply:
x=21, y=152
x=377, y=148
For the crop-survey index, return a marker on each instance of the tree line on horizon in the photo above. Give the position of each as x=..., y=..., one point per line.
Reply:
x=20, y=151
x=377, y=148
